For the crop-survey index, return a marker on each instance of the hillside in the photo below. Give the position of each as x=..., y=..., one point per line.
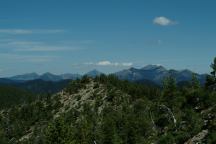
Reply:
x=107, y=110
x=37, y=86
x=10, y=96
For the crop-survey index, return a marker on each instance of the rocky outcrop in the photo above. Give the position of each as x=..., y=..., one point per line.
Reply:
x=197, y=139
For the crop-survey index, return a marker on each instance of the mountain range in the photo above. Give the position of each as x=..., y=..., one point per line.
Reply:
x=157, y=73
x=152, y=73
x=46, y=77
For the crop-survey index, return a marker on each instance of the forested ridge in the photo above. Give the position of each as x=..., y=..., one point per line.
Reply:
x=106, y=110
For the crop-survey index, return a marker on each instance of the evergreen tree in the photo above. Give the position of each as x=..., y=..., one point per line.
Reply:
x=211, y=79
x=195, y=84
x=169, y=90
x=58, y=132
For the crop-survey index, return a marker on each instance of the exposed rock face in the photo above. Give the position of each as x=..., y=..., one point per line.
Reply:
x=197, y=139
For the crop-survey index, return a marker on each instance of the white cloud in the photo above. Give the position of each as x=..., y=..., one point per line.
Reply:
x=127, y=64
x=30, y=31
x=108, y=63
x=163, y=21
x=104, y=63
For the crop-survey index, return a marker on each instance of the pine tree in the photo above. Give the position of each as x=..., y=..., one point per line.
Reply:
x=58, y=132
x=195, y=84
x=211, y=79
x=169, y=89
x=213, y=66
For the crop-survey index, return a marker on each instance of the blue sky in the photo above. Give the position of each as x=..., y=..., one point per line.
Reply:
x=71, y=36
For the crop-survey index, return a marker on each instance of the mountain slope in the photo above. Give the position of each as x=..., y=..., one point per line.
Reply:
x=25, y=77
x=156, y=74
x=43, y=87
x=93, y=73
x=69, y=76
x=45, y=77
x=107, y=110
x=50, y=77
x=5, y=81
x=10, y=96
x=37, y=86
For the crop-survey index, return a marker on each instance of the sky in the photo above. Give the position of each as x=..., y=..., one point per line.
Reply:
x=76, y=36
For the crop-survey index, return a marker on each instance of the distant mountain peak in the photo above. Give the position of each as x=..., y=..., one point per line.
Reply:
x=156, y=74
x=186, y=71
x=27, y=76
x=132, y=69
x=32, y=73
x=94, y=70
x=47, y=73
x=70, y=76
x=149, y=67
x=93, y=73
x=50, y=77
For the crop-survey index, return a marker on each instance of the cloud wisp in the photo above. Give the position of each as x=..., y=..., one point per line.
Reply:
x=30, y=31
x=164, y=21
x=47, y=49
x=108, y=63
x=37, y=46
x=27, y=58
